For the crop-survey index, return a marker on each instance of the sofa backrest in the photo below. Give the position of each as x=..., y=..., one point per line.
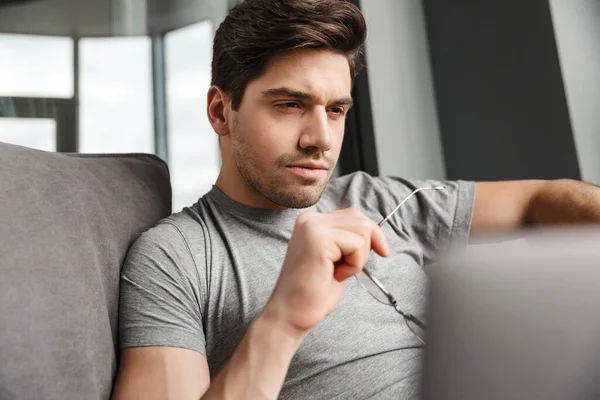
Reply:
x=66, y=223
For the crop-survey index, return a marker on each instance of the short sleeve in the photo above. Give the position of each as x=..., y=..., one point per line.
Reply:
x=438, y=220
x=160, y=299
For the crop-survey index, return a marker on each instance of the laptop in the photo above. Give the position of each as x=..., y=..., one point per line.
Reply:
x=519, y=319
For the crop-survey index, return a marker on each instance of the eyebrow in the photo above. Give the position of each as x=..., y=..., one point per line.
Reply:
x=296, y=94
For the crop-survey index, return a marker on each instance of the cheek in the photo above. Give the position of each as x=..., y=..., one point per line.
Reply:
x=279, y=133
x=265, y=126
x=259, y=144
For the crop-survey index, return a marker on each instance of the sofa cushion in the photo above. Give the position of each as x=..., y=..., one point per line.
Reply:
x=66, y=223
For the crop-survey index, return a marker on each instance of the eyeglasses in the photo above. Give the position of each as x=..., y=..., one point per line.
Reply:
x=372, y=285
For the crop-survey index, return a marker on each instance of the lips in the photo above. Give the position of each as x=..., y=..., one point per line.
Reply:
x=309, y=166
x=310, y=171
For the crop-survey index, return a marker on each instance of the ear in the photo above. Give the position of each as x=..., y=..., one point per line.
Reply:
x=218, y=110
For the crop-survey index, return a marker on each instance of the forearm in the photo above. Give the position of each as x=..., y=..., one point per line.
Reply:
x=260, y=363
x=565, y=201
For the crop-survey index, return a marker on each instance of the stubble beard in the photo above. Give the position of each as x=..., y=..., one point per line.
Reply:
x=271, y=185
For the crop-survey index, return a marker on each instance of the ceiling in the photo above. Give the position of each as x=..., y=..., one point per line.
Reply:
x=93, y=18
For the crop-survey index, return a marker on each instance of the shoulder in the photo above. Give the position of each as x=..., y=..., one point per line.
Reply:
x=381, y=193
x=361, y=184
x=176, y=242
x=360, y=187
x=364, y=184
x=347, y=185
x=358, y=190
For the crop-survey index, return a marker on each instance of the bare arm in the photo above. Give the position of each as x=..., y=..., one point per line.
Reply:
x=510, y=205
x=161, y=373
x=325, y=249
x=565, y=202
x=256, y=370
x=260, y=363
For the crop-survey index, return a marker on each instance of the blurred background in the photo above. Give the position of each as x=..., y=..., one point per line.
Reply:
x=452, y=89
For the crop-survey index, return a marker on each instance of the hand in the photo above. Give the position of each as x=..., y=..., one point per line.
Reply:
x=325, y=249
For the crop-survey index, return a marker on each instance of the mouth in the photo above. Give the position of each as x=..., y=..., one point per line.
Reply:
x=308, y=170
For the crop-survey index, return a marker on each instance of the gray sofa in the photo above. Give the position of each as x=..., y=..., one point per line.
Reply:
x=66, y=223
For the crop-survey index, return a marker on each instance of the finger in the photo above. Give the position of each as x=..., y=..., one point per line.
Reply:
x=379, y=242
x=353, y=257
x=355, y=223
x=360, y=224
x=343, y=272
x=347, y=243
x=348, y=211
x=353, y=263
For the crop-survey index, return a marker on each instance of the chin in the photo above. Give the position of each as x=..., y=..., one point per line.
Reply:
x=297, y=197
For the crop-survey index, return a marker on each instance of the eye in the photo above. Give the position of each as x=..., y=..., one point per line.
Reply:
x=337, y=112
x=288, y=105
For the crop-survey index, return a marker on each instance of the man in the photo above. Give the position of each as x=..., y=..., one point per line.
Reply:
x=249, y=293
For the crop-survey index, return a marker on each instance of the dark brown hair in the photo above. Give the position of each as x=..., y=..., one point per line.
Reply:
x=256, y=31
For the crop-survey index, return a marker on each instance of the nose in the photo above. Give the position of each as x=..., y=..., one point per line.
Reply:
x=316, y=134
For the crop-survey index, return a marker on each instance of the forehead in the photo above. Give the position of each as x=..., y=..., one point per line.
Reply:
x=324, y=74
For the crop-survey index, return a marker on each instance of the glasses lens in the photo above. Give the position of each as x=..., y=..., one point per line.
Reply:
x=416, y=327
x=367, y=283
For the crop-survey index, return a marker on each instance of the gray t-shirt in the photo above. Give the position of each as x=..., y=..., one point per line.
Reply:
x=201, y=276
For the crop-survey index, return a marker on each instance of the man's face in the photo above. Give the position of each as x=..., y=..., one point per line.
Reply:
x=287, y=134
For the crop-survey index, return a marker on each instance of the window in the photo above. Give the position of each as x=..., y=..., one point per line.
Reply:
x=115, y=97
x=116, y=112
x=194, y=158
x=37, y=133
x=33, y=67
x=36, y=66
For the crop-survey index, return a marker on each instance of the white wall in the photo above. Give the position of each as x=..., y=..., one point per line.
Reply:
x=402, y=97
x=577, y=29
